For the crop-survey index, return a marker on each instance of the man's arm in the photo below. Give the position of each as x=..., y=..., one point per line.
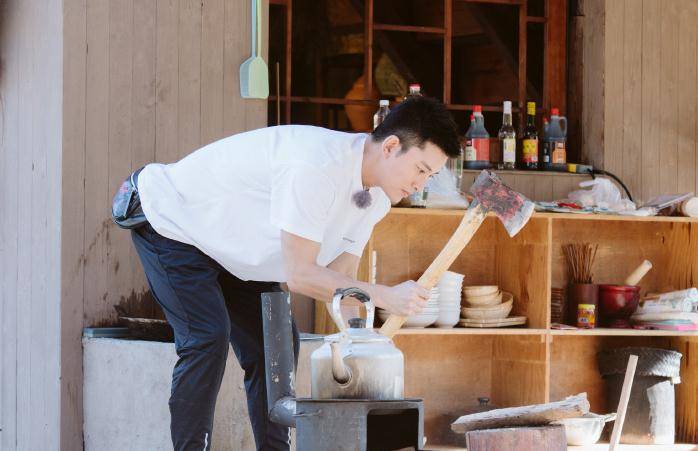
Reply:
x=306, y=277
x=347, y=264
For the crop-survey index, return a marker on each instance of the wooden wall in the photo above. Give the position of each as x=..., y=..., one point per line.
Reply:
x=144, y=81
x=30, y=175
x=641, y=92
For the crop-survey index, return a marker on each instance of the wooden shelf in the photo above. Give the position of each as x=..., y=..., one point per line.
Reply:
x=604, y=447
x=598, y=332
x=604, y=332
x=595, y=447
x=473, y=331
x=553, y=216
x=450, y=368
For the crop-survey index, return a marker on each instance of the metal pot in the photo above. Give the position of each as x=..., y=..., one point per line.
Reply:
x=357, y=362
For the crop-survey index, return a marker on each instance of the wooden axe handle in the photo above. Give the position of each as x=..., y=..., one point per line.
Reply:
x=471, y=221
x=639, y=272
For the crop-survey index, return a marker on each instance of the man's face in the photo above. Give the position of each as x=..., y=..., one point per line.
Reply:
x=407, y=172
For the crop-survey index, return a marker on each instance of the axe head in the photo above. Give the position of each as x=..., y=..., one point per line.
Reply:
x=512, y=208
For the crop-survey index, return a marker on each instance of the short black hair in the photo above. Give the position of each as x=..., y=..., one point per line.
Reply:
x=417, y=120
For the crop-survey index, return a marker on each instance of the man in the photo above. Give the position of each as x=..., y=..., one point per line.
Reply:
x=293, y=204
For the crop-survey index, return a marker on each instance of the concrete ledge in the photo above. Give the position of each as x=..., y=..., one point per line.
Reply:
x=127, y=388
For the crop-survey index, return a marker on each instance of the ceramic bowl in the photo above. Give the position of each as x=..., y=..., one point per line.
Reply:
x=480, y=290
x=494, y=312
x=484, y=300
x=618, y=303
x=447, y=318
x=450, y=275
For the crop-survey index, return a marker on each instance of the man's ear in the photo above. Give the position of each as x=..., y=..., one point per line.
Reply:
x=391, y=145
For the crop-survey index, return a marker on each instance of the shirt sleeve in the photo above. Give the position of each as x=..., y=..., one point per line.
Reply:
x=364, y=234
x=301, y=198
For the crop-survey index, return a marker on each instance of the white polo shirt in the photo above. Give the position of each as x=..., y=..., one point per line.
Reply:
x=232, y=198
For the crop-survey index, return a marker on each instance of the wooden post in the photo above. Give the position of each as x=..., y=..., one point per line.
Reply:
x=448, y=35
x=289, y=35
x=523, y=26
x=368, y=49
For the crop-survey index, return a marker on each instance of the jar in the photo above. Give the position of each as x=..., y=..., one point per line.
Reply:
x=586, y=316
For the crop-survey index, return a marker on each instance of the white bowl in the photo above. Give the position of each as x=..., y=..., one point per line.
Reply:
x=420, y=320
x=447, y=318
x=450, y=275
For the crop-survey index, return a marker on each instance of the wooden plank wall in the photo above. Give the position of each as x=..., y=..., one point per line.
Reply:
x=643, y=76
x=144, y=80
x=30, y=175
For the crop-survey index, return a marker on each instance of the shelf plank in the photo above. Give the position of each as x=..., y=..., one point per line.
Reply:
x=598, y=332
x=604, y=447
x=595, y=447
x=553, y=216
x=472, y=331
x=604, y=332
x=408, y=28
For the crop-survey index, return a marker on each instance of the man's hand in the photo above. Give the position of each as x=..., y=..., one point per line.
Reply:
x=405, y=299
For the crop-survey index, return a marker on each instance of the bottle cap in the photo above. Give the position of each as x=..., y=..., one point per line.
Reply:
x=554, y=112
x=477, y=108
x=415, y=87
x=384, y=103
x=507, y=107
x=531, y=107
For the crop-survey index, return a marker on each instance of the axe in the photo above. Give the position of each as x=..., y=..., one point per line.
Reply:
x=490, y=195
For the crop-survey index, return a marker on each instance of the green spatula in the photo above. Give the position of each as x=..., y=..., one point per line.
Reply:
x=254, y=75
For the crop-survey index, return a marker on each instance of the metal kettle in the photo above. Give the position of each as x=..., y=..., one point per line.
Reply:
x=358, y=362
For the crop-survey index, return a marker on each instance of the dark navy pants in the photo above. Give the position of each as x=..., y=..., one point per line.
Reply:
x=208, y=308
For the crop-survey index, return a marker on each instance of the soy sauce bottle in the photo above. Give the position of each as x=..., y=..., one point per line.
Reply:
x=529, y=148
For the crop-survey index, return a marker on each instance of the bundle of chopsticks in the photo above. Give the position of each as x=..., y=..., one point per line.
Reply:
x=580, y=258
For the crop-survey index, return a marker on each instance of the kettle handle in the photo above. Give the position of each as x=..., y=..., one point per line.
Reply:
x=356, y=293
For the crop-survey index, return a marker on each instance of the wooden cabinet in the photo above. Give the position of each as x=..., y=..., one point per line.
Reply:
x=451, y=368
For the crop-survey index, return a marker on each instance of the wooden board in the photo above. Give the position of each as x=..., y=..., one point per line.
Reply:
x=549, y=438
x=570, y=407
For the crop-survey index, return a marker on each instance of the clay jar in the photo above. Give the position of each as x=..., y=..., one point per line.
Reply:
x=580, y=293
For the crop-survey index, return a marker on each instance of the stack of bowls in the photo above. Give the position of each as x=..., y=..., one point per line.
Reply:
x=425, y=318
x=450, y=287
x=486, y=302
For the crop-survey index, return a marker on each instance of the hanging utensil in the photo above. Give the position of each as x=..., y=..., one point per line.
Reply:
x=254, y=75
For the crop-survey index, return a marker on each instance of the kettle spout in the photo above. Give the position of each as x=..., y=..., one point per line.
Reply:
x=340, y=371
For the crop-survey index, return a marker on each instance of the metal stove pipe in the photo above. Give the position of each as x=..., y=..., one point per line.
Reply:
x=278, y=357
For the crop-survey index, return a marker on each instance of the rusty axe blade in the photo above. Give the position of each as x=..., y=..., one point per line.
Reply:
x=512, y=208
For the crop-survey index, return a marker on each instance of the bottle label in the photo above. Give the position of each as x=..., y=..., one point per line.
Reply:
x=509, y=150
x=547, y=151
x=530, y=151
x=482, y=149
x=559, y=153
x=470, y=153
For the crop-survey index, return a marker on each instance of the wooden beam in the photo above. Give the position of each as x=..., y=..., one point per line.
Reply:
x=523, y=25
x=554, y=75
x=368, y=48
x=288, y=61
x=408, y=28
x=448, y=26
